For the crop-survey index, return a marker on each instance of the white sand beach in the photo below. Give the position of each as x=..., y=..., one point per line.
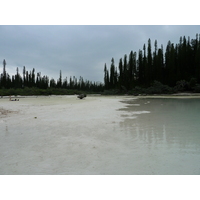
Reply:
x=58, y=134
x=97, y=135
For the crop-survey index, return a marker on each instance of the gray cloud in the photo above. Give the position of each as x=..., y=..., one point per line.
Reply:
x=79, y=50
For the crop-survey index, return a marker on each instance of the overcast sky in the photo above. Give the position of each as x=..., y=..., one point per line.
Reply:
x=79, y=50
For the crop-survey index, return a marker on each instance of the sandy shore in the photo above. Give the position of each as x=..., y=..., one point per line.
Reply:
x=58, y=134
x=100, y=135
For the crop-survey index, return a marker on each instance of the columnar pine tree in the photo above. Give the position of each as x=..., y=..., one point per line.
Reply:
x=33, y=78
x=121, y=77
x=125, y=73
x=146, y=75
x=155, y=62
x=130, y=71
x=24, y=77
x=3, y=83
x=149, y=64
x=141, y=70
x=112, y=73
x=59, y=82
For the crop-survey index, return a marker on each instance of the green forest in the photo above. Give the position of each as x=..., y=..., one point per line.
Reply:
x=32, y=83
x=151, y=70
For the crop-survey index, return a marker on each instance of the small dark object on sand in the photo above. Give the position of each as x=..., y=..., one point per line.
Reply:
x=12, y=99
x=81, y=96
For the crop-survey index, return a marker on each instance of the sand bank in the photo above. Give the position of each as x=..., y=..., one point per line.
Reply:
x=58, y=134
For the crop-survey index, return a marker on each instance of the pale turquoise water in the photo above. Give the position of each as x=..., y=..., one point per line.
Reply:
x=165, y=135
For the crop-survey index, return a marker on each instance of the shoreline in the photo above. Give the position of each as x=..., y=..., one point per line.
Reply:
x=107, y=95
x=176, y=95
x=63, y=135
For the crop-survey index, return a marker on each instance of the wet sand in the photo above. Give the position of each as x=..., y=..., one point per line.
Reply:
x=96, y=135
x=58, y=134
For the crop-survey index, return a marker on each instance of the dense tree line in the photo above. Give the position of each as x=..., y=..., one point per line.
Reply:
x=30, y=79
x=177, y=66
x=180, y=63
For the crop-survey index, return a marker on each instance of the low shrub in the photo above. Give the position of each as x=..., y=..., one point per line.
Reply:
x=37, y=91
x=197, y=88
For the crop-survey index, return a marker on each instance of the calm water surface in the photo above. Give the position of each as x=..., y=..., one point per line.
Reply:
x=165, y=133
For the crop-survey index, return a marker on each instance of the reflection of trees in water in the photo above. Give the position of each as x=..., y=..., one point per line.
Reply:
x=173, y=122
x=144, y=134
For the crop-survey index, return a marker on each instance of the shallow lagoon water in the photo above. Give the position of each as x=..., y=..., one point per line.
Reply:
x=166, y=134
